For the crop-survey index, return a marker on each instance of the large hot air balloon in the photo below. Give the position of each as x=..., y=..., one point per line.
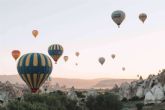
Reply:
x=35, y=33
x=77, y=54
x=143, y=17
x=101, y=60
x=16, y=54
x=66, y=58
x=55, y=51
x=34, y=69
x=118, y=16
x=113, y=56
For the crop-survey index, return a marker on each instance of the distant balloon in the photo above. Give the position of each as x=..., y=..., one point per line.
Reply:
x=77, y=54
x=143, y=17
x=101, y=60
x=16, y=54
x=113, y=56
x=35, y=33
x=118, y=16
x=55, y=51
x=123, y=68
x=34, y=69
x=66, y=58
x=76, y=64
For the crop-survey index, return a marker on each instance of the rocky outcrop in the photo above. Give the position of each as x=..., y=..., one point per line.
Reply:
x=72, y=94
x=125, y=90
x=91, y=92
x=149, y=98
x=10, y=91
x=152, y=89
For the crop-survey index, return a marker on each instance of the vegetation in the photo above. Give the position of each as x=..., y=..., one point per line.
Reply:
x=139, y=106
x=53, y=101
x=106, y=101
x=59, y=101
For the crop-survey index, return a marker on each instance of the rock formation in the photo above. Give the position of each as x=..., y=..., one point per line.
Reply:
x=151, y=89
x=10, y=91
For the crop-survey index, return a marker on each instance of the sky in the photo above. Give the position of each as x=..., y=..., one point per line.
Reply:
x=85, y=26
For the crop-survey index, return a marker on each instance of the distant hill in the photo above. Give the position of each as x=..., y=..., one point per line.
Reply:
x=77, y=83
x=110, y=83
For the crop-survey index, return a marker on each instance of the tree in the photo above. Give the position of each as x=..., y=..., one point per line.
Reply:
x=104, y=101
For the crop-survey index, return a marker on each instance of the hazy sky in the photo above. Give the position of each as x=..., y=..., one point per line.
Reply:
x=86, y=26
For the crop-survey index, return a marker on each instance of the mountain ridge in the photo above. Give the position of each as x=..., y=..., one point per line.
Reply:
x=69, y=82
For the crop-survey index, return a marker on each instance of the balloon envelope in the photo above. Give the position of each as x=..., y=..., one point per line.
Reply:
x=76, y=64
x=34, y=69
x=143, y=17
x=55, y=51
x=123, y=68
x=113, y=56
x=118, y=16
x=66, y=58
x=35, y=33
x=101, y=60
x=16, y=54
x=77, y=54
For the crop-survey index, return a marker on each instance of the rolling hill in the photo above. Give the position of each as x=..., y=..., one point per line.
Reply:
x=77, y=83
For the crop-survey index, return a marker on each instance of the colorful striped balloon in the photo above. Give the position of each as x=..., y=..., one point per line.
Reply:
x=55, y=51
x=34, y=69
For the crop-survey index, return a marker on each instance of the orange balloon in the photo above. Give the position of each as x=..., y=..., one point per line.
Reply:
x=35, y=33
x=16, y=54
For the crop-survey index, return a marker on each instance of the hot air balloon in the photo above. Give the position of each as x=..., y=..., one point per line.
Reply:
x=113, y=56
x=76, y=64
x=34, y=69
x=66, y=58
x=123, y=68
x=143, y=17
x=35, y=33
x=77, y=54
x=16, y=54
x=118, y=16
x=55, y=51
x=101, y=60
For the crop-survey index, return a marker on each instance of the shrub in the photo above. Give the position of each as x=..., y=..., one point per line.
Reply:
x=139, y=106
x=53, y=101
x=124, y=99
x=104, y=101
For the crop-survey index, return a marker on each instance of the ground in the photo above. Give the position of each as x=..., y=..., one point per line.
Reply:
x=131, y=105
